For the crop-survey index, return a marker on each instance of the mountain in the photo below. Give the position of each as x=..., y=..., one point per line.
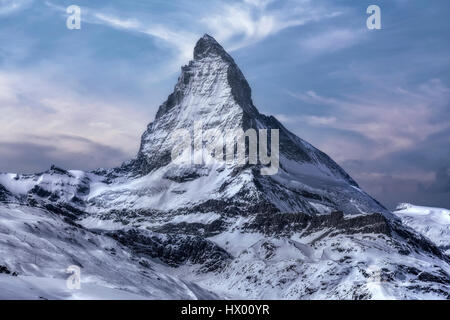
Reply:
x=194, y=223
x=433, y=223
x=213, y=90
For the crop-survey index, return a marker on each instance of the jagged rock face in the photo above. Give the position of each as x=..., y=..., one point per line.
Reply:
x=211, y=88
x=175, y=250
x=5, y=195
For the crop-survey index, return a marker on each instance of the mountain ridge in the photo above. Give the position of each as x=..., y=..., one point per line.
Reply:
x=212, y=88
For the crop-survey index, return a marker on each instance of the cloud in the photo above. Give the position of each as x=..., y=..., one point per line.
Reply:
x=245, y=23
x=442, y=181
x=418, y=174
x=183, y=41
x=37, y=111
x=180, y=40
x=393, y=119
x=235, y=25
x=390, y=138
x=330, y=41
x=32, y=157
x=396, y=184
x=11, y=6
x=311, y=120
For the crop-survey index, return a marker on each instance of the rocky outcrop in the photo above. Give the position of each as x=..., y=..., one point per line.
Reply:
x=288, y=223
x=4, y=194
x=174, y=249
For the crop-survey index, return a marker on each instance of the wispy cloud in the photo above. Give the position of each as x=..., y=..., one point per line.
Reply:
x=11, y=6
x=330, y=41
x=41, y=112
x=245, y=23
x=394, y=119
x=390, y=139
x=236, y=25
x=181, y=41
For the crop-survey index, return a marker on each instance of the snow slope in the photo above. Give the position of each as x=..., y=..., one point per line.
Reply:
x=39, y=288
x=40, y=246
x=433, y=223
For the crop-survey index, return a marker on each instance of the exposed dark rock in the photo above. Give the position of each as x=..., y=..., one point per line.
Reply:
x=55, y=170
x=416, y=240
x=83, y=190
x=439, y=275
x=233, y=208
x=429, y=289
x=200, y=229
x=188, y=174
x=174, y=249
x=5, y=270
x=41, y=192
x=4, y=194
x=288, y=223
x=65, y=210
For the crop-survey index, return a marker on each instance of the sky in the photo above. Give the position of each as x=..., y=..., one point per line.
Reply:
x=376, y=101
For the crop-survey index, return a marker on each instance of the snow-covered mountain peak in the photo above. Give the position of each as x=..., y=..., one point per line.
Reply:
x=207, y=46
x=212, y=78
x=212, y=90
x=212, y=94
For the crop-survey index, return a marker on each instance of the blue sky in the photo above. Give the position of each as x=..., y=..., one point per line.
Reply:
x=377, y=101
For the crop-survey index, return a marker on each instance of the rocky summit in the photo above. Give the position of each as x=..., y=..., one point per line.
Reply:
x=154, y=228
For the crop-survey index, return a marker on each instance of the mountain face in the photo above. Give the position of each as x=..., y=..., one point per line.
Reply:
x=297, y=228
x=213, y=92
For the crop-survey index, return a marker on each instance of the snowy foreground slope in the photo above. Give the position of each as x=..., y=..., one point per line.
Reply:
x=156, y=229
x=39, y=246
x=283, y=259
